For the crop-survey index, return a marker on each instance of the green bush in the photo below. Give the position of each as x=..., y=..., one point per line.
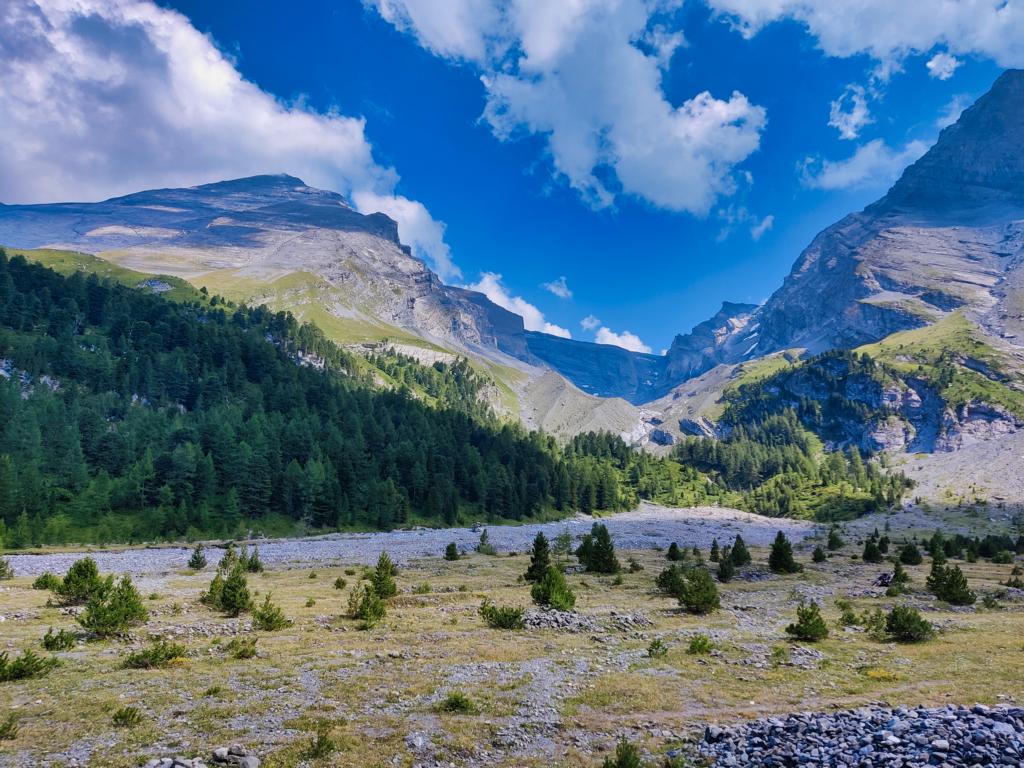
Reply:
x=626, y=756
x=670, y=581
x=6, y=569
x=553, y=591
x=656, y=649
x=28, y=665
x=250, y=561
x=699, y=593
x=367, y=606
x=269, y=617
x=484, y=546
x=726, y=567
x=81, y=582
x=674, y=553
x=156, y=656
x=905, y=625
x=1004, y=557
x=700, y=645
x=127, y=717
x=847, y=616
x=61, y=640
x=235, y=598
x=47, y=581
x=835, y=540
x=241, y=647
x=422, y=589
x=451, y=552
x=198, y=560
x=780, y=559
x=872, y=553
x=819, y=556
x=502, y=616
x=809, y=625
x=716, y=553
x=114, y=610
x=340, y=583
x=383, y=578
x=321, y=747
x=457, y=703
x=9, y=727
x=910, y=554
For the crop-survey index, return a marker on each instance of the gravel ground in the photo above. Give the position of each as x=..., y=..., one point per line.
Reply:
x=877, y=736
x=647, y=527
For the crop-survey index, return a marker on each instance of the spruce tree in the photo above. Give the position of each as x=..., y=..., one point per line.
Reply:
x=383, y=578
x=235, y=598
x=950, y=584
x=726, y=569
x=910, y=554
x=740, y=553
x=540, y=558
x=715, y=551
x=872, y=554
x=599, y=556
x=198, y=560
x=809, y=625
x=937, y=548
x=699, y=593
x=451, y=552
x=780, y=560
x=819, y=556
x=674, y=554
x=115, y=610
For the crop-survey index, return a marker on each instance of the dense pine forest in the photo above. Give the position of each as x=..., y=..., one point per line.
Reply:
x=129, y=417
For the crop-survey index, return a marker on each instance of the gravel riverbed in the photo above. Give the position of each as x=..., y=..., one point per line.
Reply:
x=646, y=527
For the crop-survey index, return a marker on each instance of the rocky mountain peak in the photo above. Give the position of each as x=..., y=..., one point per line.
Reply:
x=976, y=161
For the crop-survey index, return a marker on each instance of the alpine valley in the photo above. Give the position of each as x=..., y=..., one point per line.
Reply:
x=897, y=331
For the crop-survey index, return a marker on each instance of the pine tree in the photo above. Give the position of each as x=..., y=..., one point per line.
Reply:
x=553, y=591
x=451, y=552
x=872, y=554
x=726, y=569
x=740, y=553
x=950, y=584
x=599, y=551
x=937, y=548
x=235, y=598
x=114, y=610
x=674, y=554
x=835, y=541
x=809, y=626
x=198, y=560
x=910, y=554
x=819, y=556
x=715, y=552
x=699, y=593
x=383, y=578
x=540, y=559
x=780, y=560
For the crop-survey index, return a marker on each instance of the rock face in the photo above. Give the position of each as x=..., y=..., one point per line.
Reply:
x=266, y=227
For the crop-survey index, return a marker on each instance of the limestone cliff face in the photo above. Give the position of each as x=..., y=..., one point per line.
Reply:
x=266, y=227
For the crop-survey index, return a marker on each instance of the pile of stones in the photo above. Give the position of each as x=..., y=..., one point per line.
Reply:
x=874, y=736
x=233, y=756
x=563, y=621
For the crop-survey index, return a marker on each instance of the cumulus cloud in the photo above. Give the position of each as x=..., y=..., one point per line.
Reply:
x=874, y=164
x=626, y=340
x=106, y=97
x=491, y=286
x=888, y=31
x=586, y=76
x=942, y=66
x=559, y=288
x=590, y=322
x=850, y=113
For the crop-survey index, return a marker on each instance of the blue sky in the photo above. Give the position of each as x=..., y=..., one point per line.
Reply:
x=473, y=112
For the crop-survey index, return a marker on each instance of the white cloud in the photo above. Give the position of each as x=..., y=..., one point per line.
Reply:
x=952, y=111
x=490, y=285
x=589, y=323
x=849, y=113
x=874, y=164
x=559, y=288
x=942, y=65
x=758, y=229
x=107, y=97
x=890, y=31
x=626, y=340
x=586, y=76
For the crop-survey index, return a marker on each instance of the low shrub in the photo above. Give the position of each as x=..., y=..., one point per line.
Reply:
x=82, y=582
x=700, y=645
x=552, y=591
x=47, y=581
x=114, y=610
x=198, y=560
x=25, y=667
x=905, y=625
x=321, y=747
x=451, y=552
x=269, y=617
x=502, y=616
x=156, y=656
x=61, y=640
x=241, y=647
x=6, y=569
x=656, y=649
x=422, y=589
x=127, y=717
x=9, y=727
x=457, y=703
x=340, y=583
